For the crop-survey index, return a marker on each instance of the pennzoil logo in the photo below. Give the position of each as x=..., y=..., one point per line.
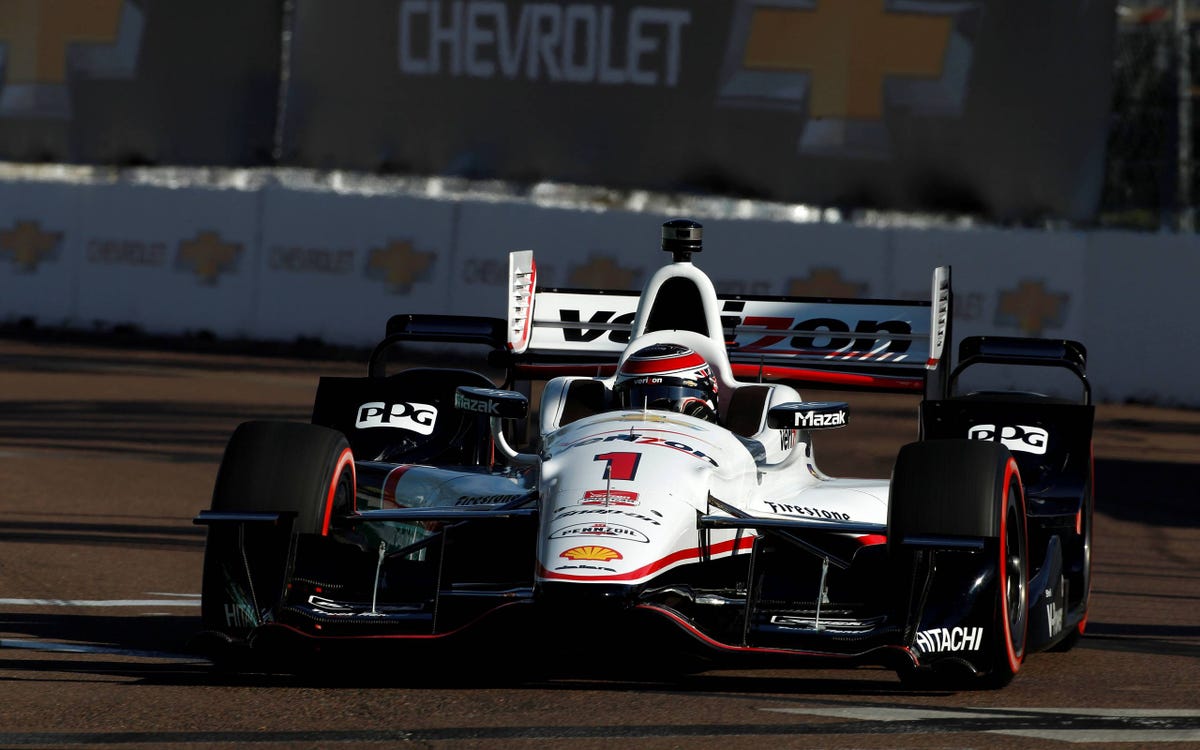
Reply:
x=844, y=65
x=601, y=529
x=45, y=47
x=1032, y=308
x=208, y=256
x=399, y=265
x=27, y=245
x=591, y=552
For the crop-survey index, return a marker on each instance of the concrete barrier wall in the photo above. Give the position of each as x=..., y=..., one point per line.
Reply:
x=266, y=260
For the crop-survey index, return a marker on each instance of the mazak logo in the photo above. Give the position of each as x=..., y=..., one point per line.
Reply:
x=399, y=266
x=403, y=415
x=46, y=46
x=477, y=405
x=1014, y=437
x=604, y=272
x=1032, y=308
x=844, y=64
x=27, y=244
x=208, y=256
x=811, y=419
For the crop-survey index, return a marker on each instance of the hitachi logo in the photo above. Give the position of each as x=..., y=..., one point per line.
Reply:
x=818, y=419
x=949, y=639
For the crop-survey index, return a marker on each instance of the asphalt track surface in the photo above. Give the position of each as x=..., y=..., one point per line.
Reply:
x=107, y=453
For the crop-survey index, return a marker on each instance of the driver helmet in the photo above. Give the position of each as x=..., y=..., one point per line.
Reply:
x=669, y=377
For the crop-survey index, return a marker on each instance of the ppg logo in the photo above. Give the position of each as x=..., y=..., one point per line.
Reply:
x=1014, y=437
x=418, y=418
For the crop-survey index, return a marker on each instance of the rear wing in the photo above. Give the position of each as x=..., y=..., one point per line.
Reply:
x=894, y=345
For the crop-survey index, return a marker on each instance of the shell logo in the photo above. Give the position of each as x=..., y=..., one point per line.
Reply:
x=591, y=552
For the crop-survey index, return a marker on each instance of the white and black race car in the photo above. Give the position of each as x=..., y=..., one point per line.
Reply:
x=662, y=503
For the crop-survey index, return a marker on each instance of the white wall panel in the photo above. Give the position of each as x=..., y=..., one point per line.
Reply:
x=168, y=260
x=337, y=266
x=39, y=252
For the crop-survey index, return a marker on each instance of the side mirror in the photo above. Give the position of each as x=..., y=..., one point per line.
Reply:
x=808, y=415
x=493, y=402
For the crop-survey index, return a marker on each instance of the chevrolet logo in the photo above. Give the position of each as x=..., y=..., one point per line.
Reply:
x=603, y=272
x=398, y=264
x=844, y=62
x=825, y=282
x=43, y=41
x=1032, y=308
x=207, y=256
x=28, y=244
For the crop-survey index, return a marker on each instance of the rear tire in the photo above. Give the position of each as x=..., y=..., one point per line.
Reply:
x=269, y=467
x=968, y=488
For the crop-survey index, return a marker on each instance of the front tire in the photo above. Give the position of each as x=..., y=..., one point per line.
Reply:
x=304, y=470
x=967, y=489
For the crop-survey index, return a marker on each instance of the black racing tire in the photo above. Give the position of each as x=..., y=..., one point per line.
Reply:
x=969, y=488
x=269, y=467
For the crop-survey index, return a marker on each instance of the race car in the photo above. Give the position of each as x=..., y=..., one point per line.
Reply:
x=658, y=501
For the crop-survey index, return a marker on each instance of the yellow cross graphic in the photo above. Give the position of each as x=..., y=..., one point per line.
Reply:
x=849, y=47
x=825, y=282
x=37, y=32
x=208, y=256
x=1032, y=306
x=603, y=273
x=399, y=264
x=28, y=244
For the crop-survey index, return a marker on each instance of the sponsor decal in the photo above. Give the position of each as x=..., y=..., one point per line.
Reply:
x=418, y=418
x=207, y=256
x=399, y=266
x=28, y=244
x=599, y=528
x=601, y=317
x=787, y=439
x=45, y=47
x=639, y=439
x=319, y=260
x=1019, y=437
x=949, y=639
x=799, y=510
x=113, y=252
x=581, y=43
x=480, y=406
x=1032, y=308
x=819, y=336
x=826, y=282
x=610, y=497
x=486, y=499
x=818, y=419
x=599, y=568
x=607, y=511
x=844, y=64
x=604, y=272
x=591, y=552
